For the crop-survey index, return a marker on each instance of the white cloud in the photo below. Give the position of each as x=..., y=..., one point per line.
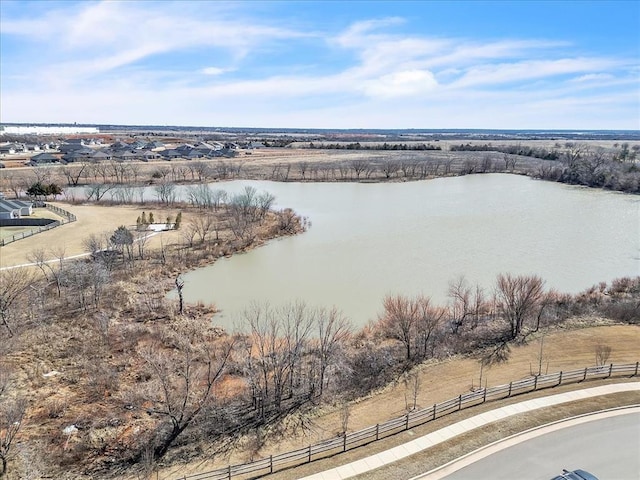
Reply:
x=593, y=77
x=494, y=74
x=214, y=71
x=101, y=66
x=402, y=83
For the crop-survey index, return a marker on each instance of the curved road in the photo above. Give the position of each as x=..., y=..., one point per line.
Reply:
x=608, y=447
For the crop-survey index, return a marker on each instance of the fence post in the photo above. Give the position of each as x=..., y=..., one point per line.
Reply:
x=229, y=472
x=377, y=431
x=637, y=364
x=344, y=442
x=535, y=383
x=406, y=426
x=460, y=402
x=309, y=454
x=484, y=395
x=610, y=370
x=434, y=410
x=585, y=374
x=510, y=384
x=560, y=378
x=270, y=463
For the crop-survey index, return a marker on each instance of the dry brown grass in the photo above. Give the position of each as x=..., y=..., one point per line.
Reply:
x=91, y=219
x=440, y=381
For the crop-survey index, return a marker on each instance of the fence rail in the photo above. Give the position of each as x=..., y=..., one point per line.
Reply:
x=68, y=217
x=413, y=419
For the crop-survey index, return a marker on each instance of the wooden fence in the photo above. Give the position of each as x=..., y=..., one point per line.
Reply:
x=412, y=419
x=67, y=218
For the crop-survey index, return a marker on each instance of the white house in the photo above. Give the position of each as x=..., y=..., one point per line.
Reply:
x=7, y=212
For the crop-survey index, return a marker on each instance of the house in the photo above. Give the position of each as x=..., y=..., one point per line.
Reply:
x=72, y=157
x=43, y=159
x=155, y=145
x=23, y=208
x=126, y=155
x=8, y=148
x=120, y=146
x=7, y=212
x=100, y=155
x=71, y=147
x=150, y=155
x=170, y=154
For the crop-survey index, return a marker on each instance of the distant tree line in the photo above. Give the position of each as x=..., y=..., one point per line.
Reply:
x=375, y=146
x=524, y=150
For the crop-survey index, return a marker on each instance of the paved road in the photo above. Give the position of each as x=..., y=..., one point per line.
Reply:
x=483, y=420
x=607, y=447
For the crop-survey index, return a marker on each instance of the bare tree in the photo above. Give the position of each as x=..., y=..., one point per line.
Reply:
x=97, y=191
x=279, y=337
x=203, y=225
x=400, y=319
x=86, y=282
x=184, y=373
x=13, y=284
x=429, y=321
x=517, y=298
x=50, y=270
x=412, y=389
x=390, y=168
x=333, y=329
x=459, y=303
x=603, y=352
x=303, y=167
x=11, y=415
x=359, y=165
x=73, y=174
x=166, y=192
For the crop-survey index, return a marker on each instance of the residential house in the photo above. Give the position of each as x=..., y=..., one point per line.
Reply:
x=8, y=148
x=43, y=159
x=170, y=154
x=7, y=212
x=23, y=208
x=100, y=155
x=155, y=145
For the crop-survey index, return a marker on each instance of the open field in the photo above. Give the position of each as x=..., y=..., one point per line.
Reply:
x=91, y=219
x=8, y=232
x=563, y=349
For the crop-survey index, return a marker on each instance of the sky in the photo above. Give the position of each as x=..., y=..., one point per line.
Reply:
x=328, y=64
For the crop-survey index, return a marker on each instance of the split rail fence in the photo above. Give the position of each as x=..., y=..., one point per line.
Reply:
x=412, y=419
x=68, y=217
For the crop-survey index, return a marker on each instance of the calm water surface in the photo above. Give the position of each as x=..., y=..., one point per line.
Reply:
x=369, y=240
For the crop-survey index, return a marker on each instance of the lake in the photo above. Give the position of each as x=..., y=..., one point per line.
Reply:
x=370, y=240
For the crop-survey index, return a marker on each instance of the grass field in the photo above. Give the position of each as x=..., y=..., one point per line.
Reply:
x=91, y=219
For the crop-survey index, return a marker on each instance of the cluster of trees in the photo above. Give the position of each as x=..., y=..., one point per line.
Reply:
x=375, y=146
x=596, y=168
x=523, y=150
x=574, y=164
x=40, y=191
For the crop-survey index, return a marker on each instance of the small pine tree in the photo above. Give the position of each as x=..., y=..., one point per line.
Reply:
x=168, y=220
x=139, y=223
x=178, y=220
x=151, y=217
x=143, y=220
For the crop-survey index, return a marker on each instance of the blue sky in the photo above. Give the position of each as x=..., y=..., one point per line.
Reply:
x=330, y=64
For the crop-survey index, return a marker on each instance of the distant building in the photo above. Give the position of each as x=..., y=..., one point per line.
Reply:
x=39, y=130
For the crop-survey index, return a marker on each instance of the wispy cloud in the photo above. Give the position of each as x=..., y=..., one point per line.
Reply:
x=216, y=63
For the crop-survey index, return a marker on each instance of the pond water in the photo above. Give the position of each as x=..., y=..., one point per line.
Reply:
x=369, y=240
